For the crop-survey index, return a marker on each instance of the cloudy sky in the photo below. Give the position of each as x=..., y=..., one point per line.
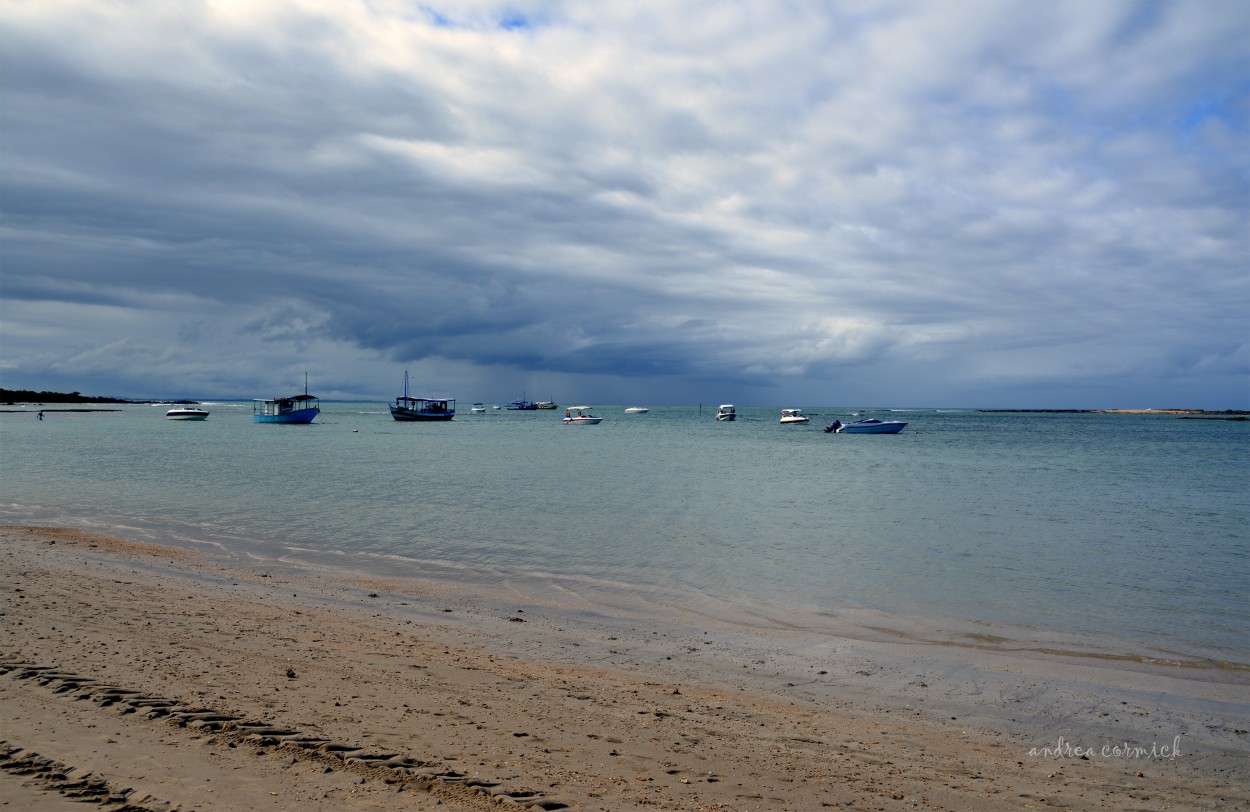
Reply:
x=997, y=204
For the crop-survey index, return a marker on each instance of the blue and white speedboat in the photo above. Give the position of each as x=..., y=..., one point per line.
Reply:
x=869, y=425
x=295, y=409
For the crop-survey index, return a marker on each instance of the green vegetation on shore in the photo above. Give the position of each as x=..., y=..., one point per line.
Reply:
x=29, y=396
x=11, y=396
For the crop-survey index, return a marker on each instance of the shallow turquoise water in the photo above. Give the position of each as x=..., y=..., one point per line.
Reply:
x=1127, y=533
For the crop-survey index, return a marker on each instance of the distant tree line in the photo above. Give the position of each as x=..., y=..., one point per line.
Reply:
x=29, y=396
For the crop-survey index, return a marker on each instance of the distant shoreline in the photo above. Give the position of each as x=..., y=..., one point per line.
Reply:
x=28, y=397
x=14, y=397
x=41, y=411
x=1187, y=412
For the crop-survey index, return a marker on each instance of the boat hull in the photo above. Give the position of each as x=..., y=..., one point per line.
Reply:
x=295, y=409
x=409, y=416
x=186, y=414
x=888, y=427
x=298, y=416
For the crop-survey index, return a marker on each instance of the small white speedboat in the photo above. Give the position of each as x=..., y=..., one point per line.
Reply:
x=793, y=416
x=580, y=416
x=869, y=425
x=637, y=410
x=726, y=411
x=478, y=409
x=187, y=413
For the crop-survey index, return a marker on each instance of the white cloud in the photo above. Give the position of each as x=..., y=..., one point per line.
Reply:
x=731, y=195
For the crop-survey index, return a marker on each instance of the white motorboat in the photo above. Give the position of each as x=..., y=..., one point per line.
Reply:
x=187, y=413
x=869, y=425
x=793, y=416
x=637, y=410
x=726, y=411
x=478, y=408
x=580, y=416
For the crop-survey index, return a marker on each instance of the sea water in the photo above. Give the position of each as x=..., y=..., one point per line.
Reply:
x=1114, y=533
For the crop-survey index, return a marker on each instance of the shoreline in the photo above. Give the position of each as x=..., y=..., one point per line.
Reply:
x=1207, y=412
x=557, y=709
x=678, y=607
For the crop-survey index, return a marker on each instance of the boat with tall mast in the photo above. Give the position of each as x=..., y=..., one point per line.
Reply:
x=408, y=409
x=295, y=409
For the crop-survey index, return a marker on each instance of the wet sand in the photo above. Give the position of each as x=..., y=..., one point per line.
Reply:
x=156, y=678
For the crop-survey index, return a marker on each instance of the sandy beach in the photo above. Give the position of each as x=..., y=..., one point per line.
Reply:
x=143, y=677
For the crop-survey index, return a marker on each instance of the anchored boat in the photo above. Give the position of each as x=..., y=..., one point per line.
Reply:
x=187, y=413
x=793, y=416
x=295, y=409
x=580, y=416
x=407, y=409
x=870, y=425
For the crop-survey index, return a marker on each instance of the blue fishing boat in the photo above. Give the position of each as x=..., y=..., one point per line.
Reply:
x=295, y=409
x=408, y=409
x=522, y=405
